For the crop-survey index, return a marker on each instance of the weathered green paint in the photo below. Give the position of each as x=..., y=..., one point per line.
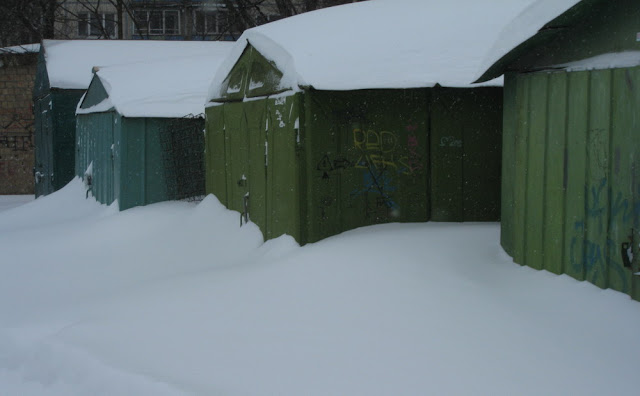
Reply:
x=313, y=164
x=510, y=125
x=521, y=171
x=318, y=163
x=554, y=175
x=575, y=175
x=55, y=123
x=575, y=161
x=465, y=153
x=252, y=76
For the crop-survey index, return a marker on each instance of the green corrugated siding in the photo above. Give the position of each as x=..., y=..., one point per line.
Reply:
x=573, y=185
x=508, y=164
x=341, y=160
x=127, y=155
x=465, y=154
x=94, y=142
x=142, y=176
x=251, y=156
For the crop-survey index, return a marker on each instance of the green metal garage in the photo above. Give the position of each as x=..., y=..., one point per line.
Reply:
x=139, y=129
x=314, y=131
x=571, y=193
x=63, y=74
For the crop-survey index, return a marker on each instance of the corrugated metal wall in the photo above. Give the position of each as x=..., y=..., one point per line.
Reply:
x=95, y=145
x=319, y=163
x=571, y=194
x=128, y=163
x=251, y=158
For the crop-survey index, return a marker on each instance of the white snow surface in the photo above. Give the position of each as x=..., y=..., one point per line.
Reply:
x=70, y=62
x=12, y=201
x=176, y=299
x=167, y=88
x=21, y=49
x=381, y=44
x=522, y=28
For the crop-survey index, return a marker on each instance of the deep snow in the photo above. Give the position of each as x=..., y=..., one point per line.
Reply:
x=12, y=201
x=175, y=298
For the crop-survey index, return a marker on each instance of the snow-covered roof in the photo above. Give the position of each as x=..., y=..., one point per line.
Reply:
x=170, y=88
x=612, y=60
x=69, y=62
x=21, y=49
x=523, y=27
x=381, y=44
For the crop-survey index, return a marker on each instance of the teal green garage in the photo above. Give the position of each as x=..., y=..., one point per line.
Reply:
x=140, y=130
x=570, y=179
x=313, y=131
x=63, y=75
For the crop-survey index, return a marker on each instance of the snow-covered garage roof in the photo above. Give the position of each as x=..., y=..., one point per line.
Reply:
x=381, y=44
x=21, y=49
x=522, y=28
x=69, y=62
x=168, y=88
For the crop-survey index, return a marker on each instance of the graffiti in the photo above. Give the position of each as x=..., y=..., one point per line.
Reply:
x=341, y=163
x=328, y=166
x=619, y=210
x=595, y=208
x=376, y=148
x=325, y=166
x=381, y=158
x=601, y=258
x=281, y=123
x=381, y=185
x=450, y=141
x=599, y=137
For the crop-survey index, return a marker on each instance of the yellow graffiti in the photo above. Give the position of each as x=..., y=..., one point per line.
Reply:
x=377, y=150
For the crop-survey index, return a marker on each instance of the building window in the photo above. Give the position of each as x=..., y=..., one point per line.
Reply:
x=157, y=22
x=210, y=22
x=96, y=24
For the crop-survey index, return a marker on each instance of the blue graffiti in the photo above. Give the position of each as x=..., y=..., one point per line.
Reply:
x=595, y=209
x=618, y=207
x=597, y=259
x=380, y=184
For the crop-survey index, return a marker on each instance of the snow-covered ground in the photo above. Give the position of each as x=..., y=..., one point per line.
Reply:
x=175, y=298
x=11, y=201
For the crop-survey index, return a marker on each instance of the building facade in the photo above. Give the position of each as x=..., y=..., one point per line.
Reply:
x=171, y=19
x=17, y=72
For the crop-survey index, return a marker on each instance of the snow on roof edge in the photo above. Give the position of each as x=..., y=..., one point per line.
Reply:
x=21, y=49
x=610, y=60
x=267, y=48
x=154, y=90
x=522, y=28
x=69, y=62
